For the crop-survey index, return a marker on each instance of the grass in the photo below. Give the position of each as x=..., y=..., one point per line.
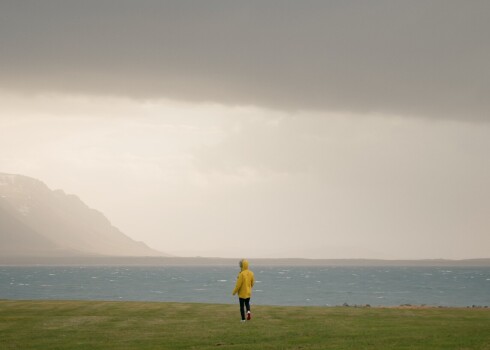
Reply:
x=150, y=325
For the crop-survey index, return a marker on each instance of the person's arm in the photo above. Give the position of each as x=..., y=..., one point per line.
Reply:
x=253, y=279
x=238, y=283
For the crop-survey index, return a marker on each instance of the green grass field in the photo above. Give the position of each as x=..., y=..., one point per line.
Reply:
x=149, y=325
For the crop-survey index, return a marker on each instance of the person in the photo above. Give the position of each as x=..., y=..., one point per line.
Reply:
x=243, y=287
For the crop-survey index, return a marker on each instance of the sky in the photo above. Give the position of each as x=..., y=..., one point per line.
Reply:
x=314, y=129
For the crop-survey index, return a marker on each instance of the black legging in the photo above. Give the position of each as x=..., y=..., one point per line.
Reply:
x=246, y=303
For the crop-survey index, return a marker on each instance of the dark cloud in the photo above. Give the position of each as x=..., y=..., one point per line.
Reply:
x=404, y=57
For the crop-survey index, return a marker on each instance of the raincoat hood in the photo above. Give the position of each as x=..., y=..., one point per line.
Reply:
x=244, y=264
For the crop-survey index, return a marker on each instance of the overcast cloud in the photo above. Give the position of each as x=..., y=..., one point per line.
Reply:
x=428, y=58
x=320, y=129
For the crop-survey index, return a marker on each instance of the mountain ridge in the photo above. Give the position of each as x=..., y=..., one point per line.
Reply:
x=38, y=221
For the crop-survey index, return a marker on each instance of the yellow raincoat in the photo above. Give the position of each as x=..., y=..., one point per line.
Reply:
x=245, y=282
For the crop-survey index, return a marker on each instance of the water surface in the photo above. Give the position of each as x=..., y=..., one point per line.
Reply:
x=377, y=286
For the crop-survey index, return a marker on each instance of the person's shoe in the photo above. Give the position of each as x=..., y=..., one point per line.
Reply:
x=242, y=321
x=249, y=315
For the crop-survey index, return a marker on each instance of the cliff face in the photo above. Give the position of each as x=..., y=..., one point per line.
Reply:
x=35, y=220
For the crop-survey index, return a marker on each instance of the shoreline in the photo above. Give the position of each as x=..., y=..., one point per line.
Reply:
x=202, y=261
x=344, y=306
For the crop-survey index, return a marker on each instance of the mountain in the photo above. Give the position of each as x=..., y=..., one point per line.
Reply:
x=36, y=221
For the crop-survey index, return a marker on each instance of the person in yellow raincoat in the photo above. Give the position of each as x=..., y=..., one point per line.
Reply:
x=243, y=287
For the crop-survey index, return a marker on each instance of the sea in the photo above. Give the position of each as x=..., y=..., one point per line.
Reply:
x=286, y=285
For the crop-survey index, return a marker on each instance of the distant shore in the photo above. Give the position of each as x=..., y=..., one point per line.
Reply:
x=201, y=261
